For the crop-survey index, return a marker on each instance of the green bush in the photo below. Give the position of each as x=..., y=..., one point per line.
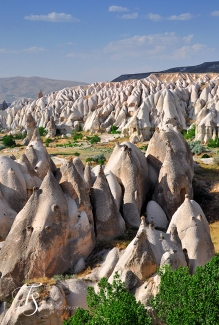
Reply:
x=113, y=130
x=77, y=154
x=18, y=136
x=42, y=131
x=185, y=299
x=99, y=159
x=190, y=133
x=206, y=156
x=144, y=148
x=8, y=141
x=77, y=136
x=112, y=305
x=48, y=140
x=213, y=143
x=93, y=139
x=196, y=147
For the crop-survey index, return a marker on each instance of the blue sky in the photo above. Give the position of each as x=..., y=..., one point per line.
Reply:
x=98, y=40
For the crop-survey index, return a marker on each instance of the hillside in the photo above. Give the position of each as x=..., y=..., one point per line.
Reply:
x=205, y=67
x=14, y=88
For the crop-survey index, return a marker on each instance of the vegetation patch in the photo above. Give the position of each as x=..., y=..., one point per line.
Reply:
x=8, y=141
x=112, y=305
x=189, y=299
x=42, y=131
x=196, y=147
x=190, y=133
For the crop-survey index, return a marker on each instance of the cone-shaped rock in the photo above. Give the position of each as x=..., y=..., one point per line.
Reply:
x=129, y=165
x=194, y=233
x=37, y=243
x=108, y=220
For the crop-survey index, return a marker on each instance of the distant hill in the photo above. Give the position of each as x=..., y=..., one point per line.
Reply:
x=14, y=88
x=201, y=68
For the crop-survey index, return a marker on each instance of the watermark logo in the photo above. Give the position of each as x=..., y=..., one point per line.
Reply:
x=30, y=296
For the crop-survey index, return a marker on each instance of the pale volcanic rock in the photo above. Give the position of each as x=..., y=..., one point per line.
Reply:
x=129, y=166
x=108, y=220
x=156, y=215
x=138, y=260
x=170, y=168
x=42, y=227
x=175, y=98
x=30, y=127
x=194, y=233
x=52, y=310
x=37, y=155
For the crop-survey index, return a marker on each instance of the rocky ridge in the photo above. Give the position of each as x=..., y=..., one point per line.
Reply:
x=135, y=107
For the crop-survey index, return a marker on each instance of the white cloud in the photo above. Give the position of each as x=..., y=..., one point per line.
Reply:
x=34, y=49
x=215, y=13
x=160, y=46
x=187, y=39
x=129, y=16
x=154, y=17
x=75, y=55
x=192, y=50
x=118, y=8
x=53, y=17
x=31, y=50
x=186, y=16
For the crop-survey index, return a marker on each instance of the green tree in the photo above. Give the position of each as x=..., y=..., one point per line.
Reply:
x=190, y=133
x=8, y=141
x=112, y=305
x=189, y=299
x=42, y=131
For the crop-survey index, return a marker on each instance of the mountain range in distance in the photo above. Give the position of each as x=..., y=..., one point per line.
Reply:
x=206, y=67
x=13, y=88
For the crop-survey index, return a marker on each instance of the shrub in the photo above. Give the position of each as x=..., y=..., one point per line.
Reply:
x=93, y=139
x=213, y=143
x=190, y=133
x=8, y=141
x=113, y=130
x=112, y=305
x=206, y=156
x=189, y=299
x=101, y=157
x=196, y=147
x=77, y=136
x=144, y=148
x=48, y=140
x=77, y=154
x=42, y=131
x=19, y=136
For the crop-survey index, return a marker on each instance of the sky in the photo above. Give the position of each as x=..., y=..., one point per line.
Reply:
x=99, y=40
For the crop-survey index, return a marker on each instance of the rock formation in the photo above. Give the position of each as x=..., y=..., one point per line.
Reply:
x=108, y=220
x=129, y=166
x=170, y=168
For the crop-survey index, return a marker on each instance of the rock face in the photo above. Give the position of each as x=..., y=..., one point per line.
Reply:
x=51, y=127
x=170, y=168
x=129, y=166
x=138, y=261
x=194, y=233
x=15, y=182
x=38, y=156
x=136, y=107
x=30, y=127
x=156, y=215
x=51, y=311
x=40, y=242
x=108, y=221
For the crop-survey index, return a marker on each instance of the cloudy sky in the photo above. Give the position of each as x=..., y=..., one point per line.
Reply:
x=98, y=40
